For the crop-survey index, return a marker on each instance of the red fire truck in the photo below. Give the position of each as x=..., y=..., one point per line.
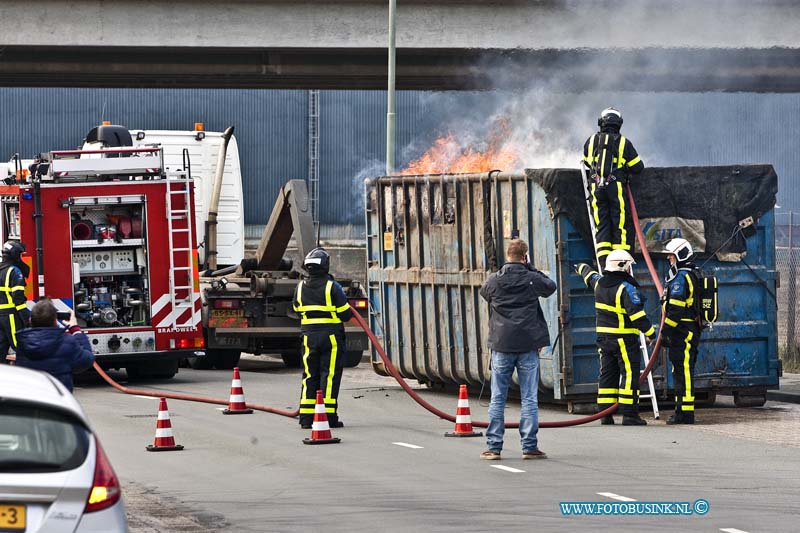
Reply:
x=110, y=233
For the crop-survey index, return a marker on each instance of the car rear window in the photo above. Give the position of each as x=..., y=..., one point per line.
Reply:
x=36, y=438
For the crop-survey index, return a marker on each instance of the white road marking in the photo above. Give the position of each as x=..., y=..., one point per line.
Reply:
x=146, y=397
x=732, y=530
x=508, y=469
x=407, y=445
x=616, y=496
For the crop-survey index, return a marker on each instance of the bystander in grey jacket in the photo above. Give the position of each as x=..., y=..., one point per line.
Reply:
x=516, y=322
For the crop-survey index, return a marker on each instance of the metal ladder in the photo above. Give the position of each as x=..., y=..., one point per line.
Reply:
x=651, y=393
x=180, y=242
x=313, y=153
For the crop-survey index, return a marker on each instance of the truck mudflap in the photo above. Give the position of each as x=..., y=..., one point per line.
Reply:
x=357, y=340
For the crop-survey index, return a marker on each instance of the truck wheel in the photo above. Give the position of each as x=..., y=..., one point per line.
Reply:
x=134, y=372
x=224, y=359
x=156, y=369
x=742, y=399
x=352, y=358
x=164, y=369
x=199, y=363
x=292, y=359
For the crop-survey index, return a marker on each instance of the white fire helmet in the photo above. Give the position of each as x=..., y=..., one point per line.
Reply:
x=610, y=117
x=619, y=261
x=680, y=248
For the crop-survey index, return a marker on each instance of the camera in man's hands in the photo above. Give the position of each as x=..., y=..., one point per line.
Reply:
x=63, y=315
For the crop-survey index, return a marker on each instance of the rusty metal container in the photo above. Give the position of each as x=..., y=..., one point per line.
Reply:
x=433, y=240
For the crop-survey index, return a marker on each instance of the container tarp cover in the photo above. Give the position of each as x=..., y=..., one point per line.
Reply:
x=719, y=196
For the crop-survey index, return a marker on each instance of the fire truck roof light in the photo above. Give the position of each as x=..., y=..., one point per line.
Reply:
x=106, y=123
x=198, y=126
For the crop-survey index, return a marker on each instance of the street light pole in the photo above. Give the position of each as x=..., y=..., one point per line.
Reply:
x=390, y=115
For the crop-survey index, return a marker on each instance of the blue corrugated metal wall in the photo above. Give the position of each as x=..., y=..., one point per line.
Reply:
x=271, y=126
x=272, y=130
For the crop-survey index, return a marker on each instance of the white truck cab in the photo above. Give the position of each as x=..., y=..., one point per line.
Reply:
x=203, y=149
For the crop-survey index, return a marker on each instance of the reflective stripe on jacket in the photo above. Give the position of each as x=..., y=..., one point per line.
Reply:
x=606, y=152
x=13, y=292
x=618, y=304
x=679, y=305
x=321, y=302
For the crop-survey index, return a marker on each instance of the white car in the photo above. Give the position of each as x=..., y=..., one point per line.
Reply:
x=54, y=475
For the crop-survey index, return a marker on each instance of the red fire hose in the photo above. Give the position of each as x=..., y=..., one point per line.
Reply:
x=188, y=397
x=396, y=375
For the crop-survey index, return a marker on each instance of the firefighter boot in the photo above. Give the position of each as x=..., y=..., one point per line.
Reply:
x=681, y=418
x=633, y=420
x=607, y=420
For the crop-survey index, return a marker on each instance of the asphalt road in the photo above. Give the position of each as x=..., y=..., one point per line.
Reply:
x=394, y=470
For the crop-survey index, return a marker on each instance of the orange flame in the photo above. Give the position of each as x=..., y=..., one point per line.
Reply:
x=447, y=155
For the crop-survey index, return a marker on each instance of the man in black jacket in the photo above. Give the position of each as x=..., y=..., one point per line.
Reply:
x=517, y=330
x=620, y=318
x=323, y=309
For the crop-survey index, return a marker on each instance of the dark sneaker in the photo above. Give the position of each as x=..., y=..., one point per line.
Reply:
x=534, y=454
x=607, y=420
x=490, y=455
x=305, y=426
x=336, y=424
x=630, y=420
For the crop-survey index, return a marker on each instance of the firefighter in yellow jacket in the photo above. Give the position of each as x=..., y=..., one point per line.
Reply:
x=14, y=314
x=610, y=159
x=682, y=326
x=620, y=318
x=322, y=305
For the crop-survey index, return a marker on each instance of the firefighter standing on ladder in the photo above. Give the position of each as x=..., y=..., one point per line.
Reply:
x=620, y=318
x=14, y=314
x=323, y=309
x=610, y=158
x=682, y=326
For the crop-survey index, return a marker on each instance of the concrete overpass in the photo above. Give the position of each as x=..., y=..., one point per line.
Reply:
x=606, y=44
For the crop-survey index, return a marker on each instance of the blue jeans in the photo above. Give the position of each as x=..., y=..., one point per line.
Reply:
x=503, y=365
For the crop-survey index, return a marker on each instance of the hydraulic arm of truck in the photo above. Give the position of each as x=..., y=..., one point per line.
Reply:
x=291, y=214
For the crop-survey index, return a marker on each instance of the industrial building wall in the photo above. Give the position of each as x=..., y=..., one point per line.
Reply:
x=272, y=131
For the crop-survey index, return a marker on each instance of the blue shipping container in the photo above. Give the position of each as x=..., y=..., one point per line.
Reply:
x=433, y=240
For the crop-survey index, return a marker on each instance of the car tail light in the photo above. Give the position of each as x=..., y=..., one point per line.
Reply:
x=359, y=303
x=199, y=342
x=105, y=486
x=226, y=304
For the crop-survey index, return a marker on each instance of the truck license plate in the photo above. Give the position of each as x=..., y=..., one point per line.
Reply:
x=12, y=517
x=227, y=341
x=228, y=313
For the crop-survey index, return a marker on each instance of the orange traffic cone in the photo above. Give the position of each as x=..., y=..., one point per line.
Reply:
x=463, y=418
x=164, y=442
x=236, y=404
x=320, y=430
